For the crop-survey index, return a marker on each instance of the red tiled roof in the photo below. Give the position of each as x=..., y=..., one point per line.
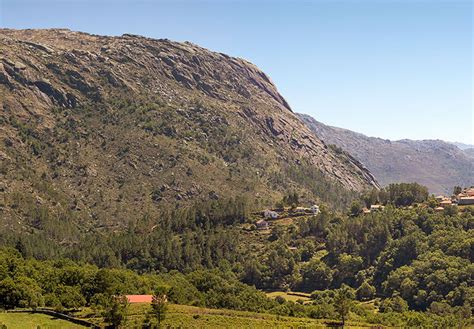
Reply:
x=139, y=298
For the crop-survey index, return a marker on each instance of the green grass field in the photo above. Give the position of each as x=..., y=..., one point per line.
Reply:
x=197, y=317
x=290, y=296
x=29, y=320
x=177, y=316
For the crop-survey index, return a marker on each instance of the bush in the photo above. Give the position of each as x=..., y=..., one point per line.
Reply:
x=280, y=300
x=316, y=276
x=51, y=300
x=70, y=297
x=395, y=304
x=365, y=291
x=115, y=311
x=23, y=292
x=322, y=311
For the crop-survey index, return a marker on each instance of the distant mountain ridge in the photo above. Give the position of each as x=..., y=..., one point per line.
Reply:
x=437, y=164
x=463, y=146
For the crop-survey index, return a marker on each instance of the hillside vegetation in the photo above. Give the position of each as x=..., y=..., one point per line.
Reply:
x=106, y=130
x=394, y=267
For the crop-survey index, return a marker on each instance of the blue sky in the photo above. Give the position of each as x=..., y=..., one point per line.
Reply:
x=385, y=68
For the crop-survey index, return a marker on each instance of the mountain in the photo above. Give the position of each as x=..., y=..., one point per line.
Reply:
x=108, y=129
x=434, y=163
x=463, y=146
x=469, y=152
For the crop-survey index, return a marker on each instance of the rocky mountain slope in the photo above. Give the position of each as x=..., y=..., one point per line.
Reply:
x=436, y=164
x=463, y=146
x=108, y=129
x=469, y=152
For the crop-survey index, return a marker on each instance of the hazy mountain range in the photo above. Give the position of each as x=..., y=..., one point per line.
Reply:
x=463, y=146
x=437, y=164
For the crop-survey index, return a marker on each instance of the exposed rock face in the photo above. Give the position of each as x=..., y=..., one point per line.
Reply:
x=107, y=121
x=436, y=164
x=469, y=152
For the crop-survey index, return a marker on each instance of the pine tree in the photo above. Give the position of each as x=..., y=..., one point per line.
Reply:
x=116, y=311
x=159, y=304
x=343, y=302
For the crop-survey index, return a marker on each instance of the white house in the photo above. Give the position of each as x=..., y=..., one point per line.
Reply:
x=270, y=214
x=376, y=207
x=439, y=198
x=315, y=209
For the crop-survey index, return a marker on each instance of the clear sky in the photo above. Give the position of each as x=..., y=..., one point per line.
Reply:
x=385, y=68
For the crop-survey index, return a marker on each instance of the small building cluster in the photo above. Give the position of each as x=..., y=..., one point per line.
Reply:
x=443, y=202
x=269, y=214
x=466, y=197
x=314, y=209
x=275, y=214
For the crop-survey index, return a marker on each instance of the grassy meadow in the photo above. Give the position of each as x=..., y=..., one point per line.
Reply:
x=33, y=321
x=178, y=316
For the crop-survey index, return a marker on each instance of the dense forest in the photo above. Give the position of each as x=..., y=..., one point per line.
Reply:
x=416, y=263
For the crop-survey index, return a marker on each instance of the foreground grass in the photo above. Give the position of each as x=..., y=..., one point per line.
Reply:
x=31, y=320
x=197, y=317
x=178, y=316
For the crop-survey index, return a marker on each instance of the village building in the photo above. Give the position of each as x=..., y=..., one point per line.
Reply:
x=270, y=214
x=438, y=209
x=465, y=201
x=465, y=194
x=262, y=225
x=139, y=298
x=469, y=192
x=376, y=207
x=439, y=198
x=446, y=202
x=303, y=210
x=461, y=195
